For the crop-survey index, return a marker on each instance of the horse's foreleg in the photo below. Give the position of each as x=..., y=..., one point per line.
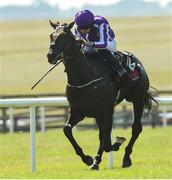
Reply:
x=98, y=157
x=107, y=128
x=73, y=120
x=136, y=130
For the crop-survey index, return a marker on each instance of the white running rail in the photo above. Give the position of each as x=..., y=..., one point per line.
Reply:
x=41, y=102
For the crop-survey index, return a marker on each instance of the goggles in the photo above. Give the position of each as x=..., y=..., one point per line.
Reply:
x=84, y=27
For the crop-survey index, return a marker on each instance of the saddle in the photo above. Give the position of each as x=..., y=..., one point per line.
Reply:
x=130, y=63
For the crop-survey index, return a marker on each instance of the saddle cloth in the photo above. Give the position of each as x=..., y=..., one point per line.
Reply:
x=130, y=63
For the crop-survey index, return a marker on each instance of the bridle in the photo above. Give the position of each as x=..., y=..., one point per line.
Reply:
x=83, y=85
x=63, y=61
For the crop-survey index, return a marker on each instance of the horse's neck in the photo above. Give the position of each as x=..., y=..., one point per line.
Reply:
x=79, y=70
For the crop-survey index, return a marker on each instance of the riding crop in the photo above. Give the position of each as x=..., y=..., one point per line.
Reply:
x=58, y=62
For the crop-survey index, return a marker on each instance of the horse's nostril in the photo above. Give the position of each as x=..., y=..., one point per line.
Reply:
x=48, y=55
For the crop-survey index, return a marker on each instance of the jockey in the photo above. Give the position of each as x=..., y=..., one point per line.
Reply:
x=97, y=36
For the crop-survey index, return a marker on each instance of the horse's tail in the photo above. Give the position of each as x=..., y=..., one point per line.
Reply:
x=149, y=98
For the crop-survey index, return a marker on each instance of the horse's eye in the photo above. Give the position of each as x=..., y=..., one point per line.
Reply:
x=51, y=36
x=52, y=45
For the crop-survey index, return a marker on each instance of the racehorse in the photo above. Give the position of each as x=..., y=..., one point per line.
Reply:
x=92, y=92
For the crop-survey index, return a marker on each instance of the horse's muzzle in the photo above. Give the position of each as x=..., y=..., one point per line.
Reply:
x=51, y=58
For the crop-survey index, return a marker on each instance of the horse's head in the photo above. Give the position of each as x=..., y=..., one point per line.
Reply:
x=62, y=42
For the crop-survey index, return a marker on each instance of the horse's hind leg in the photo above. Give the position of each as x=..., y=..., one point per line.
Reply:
x=74, y=118
x=136, y=130
x=119, y=141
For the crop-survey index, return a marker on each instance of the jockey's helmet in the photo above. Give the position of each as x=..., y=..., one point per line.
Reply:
x=84, y=19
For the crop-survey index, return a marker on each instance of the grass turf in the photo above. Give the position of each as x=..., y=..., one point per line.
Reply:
x=56, y=158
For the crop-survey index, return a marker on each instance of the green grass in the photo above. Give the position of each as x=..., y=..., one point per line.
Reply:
x=23, y=47
x=152, y=155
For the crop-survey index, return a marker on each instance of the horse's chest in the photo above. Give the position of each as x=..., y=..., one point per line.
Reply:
x=83, y=101
x=90, y=101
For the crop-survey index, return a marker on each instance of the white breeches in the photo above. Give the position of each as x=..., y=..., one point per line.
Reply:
x=111, y=46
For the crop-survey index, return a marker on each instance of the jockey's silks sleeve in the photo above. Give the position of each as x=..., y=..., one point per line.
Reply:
x=99, y=35
x=103, y=36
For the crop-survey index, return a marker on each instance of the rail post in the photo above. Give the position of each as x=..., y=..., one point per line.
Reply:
x=42, y=118
x=11, y=117
x=164, y=119
x=32, y=138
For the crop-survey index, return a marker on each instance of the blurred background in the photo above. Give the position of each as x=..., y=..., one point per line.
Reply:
x=143, y=27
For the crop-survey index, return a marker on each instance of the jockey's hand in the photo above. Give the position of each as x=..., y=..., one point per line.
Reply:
x=79, y=41
x=87, y=44
x=83, y=42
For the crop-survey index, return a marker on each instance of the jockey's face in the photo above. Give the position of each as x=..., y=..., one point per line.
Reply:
x=85, y=31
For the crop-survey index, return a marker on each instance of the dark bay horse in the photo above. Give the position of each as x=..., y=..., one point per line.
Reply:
x=91, y=92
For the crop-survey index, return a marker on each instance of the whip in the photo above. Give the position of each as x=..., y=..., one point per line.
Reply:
x=58, y=62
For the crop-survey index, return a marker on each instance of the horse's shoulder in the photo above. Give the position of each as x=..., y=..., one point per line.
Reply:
x=101, y=66
x=96, y=60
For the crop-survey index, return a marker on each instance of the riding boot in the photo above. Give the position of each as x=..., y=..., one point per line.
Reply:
x=116, y=65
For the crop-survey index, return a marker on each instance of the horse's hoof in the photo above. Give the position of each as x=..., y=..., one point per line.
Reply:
x=120, y=140
x=126, y=163
x=118, y=143
x=88, y=160
x=94, y=167
x=115, y=146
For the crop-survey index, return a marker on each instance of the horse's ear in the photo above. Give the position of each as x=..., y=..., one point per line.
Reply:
x=69, y=26
x=54, y=25
x=58, y=23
